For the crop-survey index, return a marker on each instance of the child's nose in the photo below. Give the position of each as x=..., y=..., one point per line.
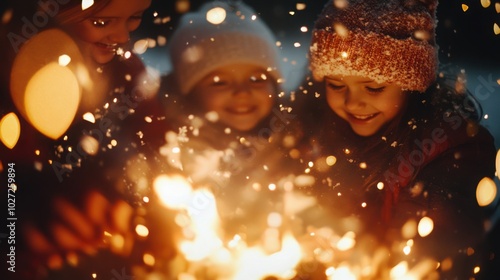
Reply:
x=241, y=88
x=120, y=35
x=353, y=99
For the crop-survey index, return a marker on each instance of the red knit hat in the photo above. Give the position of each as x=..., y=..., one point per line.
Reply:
x=389, y=41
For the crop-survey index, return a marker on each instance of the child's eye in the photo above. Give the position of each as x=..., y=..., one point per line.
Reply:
x=375, y=89
x=100, y=23
x=334, y=86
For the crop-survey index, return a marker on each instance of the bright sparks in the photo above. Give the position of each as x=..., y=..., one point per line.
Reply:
x=87, y=4
x=409, y=229
x=141, y=46
x=331, y=160
x=89, y=144
x=89, y=117
x=399, y=270
x=174, y=192
x=64, y=60
x=216, y=15
x=300, y=6
x=425, y=226
x=485, y=3
x=347, y=241
x=142, y=230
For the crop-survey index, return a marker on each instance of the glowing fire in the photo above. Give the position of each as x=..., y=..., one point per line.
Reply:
x=204, y=245
x=209, y=252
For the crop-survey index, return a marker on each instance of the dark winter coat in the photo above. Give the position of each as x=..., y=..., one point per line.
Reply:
x=429, y=165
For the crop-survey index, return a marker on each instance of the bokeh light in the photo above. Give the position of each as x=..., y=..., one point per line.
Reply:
x=10, y=130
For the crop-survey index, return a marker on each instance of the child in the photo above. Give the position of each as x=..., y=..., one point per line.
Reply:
x=67, y=174
x=405, y=145
x=233, y=130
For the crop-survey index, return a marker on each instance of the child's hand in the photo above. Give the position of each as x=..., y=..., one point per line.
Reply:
x=75, y=231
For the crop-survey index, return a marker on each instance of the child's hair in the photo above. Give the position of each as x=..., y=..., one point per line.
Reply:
x=218, y=34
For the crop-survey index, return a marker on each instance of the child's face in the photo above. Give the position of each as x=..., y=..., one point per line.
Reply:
x=241, y=95
x=363, y=103
x=109, y=29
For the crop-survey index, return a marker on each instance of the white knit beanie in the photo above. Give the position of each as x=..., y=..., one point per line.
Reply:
x=199, y=46
x=387, y=41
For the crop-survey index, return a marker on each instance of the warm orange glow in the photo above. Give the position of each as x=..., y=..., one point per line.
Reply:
x=425, y=226
x=341, y=4
x=254, y=263
x=117, y=242
x=142, y=230
x=141, y=46
x=465, y=7
x=51, y=99
x=87, y=4
x=300, y=6
x=274, y=220
x=496, y=29
x=486, y=191
x=399, y=270
x=90, y=145
x=342, y=272
x=485, y=3
x=331, y=160
x=89, y=117
x=46, y=81
x=216, y=15
x=409, y=229
x=343, y=32
x=497, y=164
x=64, y=60
x=10, y=130
x=173, y=191
x=182, y=6
x=148, y=259
x=347, y=241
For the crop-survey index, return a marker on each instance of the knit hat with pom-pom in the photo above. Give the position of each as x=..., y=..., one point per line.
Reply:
x=218, y=34
x=390, y=41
